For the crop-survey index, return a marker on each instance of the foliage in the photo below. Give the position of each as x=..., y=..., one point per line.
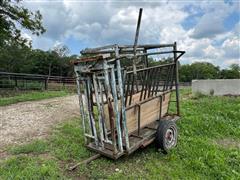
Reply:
x=206, y=121
x=36, y=61
x=201, y=70
x=233, y=72
x=13, y=17
x=198, y=70
x=206, y=70
x=16, y=54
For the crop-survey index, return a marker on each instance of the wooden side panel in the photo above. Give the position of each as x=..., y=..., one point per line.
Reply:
x=149, y=112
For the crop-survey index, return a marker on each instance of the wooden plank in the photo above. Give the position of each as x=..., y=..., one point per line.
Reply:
x=149, y=112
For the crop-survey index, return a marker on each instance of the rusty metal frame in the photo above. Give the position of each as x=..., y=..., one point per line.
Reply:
x=105, y=84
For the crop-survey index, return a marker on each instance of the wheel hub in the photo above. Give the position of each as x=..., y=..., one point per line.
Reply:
x=170, y=137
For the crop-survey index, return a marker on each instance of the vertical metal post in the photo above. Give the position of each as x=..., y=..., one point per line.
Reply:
x=86, y=107
x=126, y=82
x=160, y=110
x=132, y=89
x=103, y=113
x=176, y=77
x=99, y=108
x=123, y=108
x=139, y=118
x=116, y=110
x=145, y=58
x=136, y=41
x=81, y=106
x=135, y=49
x=91, y=111
x=111, y=117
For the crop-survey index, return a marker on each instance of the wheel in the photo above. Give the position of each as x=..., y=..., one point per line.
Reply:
x=166, y=136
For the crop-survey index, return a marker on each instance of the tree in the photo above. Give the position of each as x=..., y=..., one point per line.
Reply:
x=235, y=67
x=198, y=70
x=14, y=58
x=232, y=73
x=61, y=51
x=13, y=16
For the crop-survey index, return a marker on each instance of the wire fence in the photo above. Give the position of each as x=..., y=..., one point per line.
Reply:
x=21, y=81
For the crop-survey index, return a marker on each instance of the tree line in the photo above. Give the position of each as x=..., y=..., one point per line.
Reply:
x=206, y=70
x=18, y=56
x=202, y=70
x=55, y=62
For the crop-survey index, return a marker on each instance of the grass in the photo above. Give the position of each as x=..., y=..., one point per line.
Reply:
x=36, y=147
x=206, y=120
x=31, y=96
x=24, y=167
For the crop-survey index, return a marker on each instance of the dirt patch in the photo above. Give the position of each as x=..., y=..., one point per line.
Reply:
x=23, y=122
x=228, y=143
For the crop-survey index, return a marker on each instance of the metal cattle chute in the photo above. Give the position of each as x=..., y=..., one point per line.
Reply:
x=124, y=102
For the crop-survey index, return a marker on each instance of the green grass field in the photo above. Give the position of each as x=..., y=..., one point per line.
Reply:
x=208, y=148
x=31, y=96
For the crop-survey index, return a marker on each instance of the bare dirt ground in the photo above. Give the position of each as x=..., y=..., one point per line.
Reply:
x=26, y=121
x=228, y=143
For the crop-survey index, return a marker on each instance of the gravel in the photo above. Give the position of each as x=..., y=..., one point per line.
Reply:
x=23, y=122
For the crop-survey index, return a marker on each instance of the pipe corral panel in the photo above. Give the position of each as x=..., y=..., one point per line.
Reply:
x=217, y=86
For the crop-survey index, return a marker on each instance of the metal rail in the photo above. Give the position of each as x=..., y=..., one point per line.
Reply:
x=32, y=81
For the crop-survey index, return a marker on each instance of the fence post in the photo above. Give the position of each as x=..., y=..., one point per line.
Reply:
x=45, y=84
x=16, y=84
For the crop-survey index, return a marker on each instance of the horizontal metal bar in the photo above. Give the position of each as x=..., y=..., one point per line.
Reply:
x=152, y=53
x=147, y=46
x=91, y=50
x=162, y=65
x=149, y=99
x=92, y=137
x=122, y=47
x=111, y=51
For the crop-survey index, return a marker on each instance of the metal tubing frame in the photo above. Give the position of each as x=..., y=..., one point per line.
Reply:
x=100, y=116
x=87, y=111
x=116, y=110
x=135, y=43
x=103, y=113
x=115, y=91
x=176, y=76
x=122, y=99
x=91, y=115
x=106, y=81
x=123, y=48
x=81, y=107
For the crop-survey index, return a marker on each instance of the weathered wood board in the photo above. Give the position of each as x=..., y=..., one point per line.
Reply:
x=149, y=112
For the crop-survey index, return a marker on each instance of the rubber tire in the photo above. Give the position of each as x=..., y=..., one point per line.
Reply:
x=164, y=125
